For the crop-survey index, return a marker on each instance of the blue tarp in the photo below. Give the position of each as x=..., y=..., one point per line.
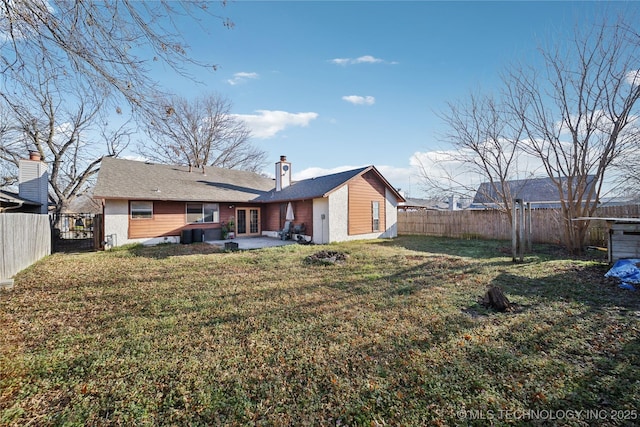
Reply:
x=628, y=271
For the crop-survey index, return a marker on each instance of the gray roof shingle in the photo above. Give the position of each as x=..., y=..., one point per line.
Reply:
x=311, y=188
x=129, y=179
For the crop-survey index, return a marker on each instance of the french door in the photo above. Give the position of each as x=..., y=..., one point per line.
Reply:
x=248, y=221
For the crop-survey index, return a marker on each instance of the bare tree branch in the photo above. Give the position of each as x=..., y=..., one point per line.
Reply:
x=580, y=117
x=202, y=132
x=98, y=43
x=66, y=128
x=485, y=143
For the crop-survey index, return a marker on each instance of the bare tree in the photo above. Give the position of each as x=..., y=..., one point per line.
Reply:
x=202, y=132
x=64, y=62
x=8, y=171
x=103, y=45
x=630, y=175
x=485, y=143
x=66, y=128
x=580, y=115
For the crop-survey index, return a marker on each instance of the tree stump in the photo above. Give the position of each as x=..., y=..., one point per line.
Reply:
x=495, y=299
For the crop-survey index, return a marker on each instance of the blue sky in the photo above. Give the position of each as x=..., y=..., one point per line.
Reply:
x=336, y=85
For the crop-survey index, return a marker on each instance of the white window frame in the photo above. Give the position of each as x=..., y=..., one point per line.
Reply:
x=207, y=210
x=375, y=215
x=141, y=209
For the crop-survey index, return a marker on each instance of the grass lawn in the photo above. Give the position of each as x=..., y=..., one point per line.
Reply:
x=188, y=335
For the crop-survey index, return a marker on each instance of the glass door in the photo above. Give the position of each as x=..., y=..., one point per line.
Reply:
x=248, y=221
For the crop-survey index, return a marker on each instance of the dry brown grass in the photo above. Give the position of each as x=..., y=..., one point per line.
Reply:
x=187, y=335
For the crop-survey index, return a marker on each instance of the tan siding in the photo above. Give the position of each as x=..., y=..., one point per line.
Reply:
x=304, y=215
x=271, y=217
x=229, y=210
x=169, y=219
x=362, y=191
x=275, y=215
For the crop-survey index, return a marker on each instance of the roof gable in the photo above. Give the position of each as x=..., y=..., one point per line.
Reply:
x=311, y=188
x=322, y=186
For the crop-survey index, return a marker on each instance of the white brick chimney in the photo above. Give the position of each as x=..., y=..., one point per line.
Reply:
x=283, y=173
x=33, y=180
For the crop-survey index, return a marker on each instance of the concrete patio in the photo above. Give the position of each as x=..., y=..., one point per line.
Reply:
x=253, y=242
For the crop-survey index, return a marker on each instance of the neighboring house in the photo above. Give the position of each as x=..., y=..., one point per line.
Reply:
x=453, y=203
x=12, y=202
x=33, y=186
x=153, y=203
x=542, y=193
x=83, y=204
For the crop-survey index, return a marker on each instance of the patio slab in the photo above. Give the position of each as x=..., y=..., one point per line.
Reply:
x=253, y=242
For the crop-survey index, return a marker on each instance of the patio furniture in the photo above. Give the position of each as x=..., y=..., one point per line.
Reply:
x=285, y=233
x=299, y=228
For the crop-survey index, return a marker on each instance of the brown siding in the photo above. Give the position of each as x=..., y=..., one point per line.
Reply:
x=226, y=212
x=304, y=215
x=275, y=215
x=271, y=217
x=362, y=191
x=169, y=218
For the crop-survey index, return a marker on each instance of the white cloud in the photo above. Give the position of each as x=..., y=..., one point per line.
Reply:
x=267, y=123
x=365, y=59
x=341, y=61
x=242, y=77
x=453, y=169
x=360, y=100
x=633, y=77
x=314, y=172
x=398, y=177
x=443, y=169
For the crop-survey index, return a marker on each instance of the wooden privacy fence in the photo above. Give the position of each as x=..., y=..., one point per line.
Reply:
x=24, y=239
x=491, y=224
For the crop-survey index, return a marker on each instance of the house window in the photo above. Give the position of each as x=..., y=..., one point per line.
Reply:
x=375, y=208
x=203, y=212
x=141, y=210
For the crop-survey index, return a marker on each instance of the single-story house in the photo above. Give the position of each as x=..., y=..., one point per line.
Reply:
x=12, y=202
x=453, y=203
x=151, y=203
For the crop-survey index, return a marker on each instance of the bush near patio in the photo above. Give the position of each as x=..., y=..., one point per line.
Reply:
x=188, y=335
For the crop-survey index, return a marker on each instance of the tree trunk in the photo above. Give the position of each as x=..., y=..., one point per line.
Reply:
x=495, y=299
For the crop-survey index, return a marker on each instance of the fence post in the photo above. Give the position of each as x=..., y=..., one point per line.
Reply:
x=514, y=235
x=529, y=227
x=517, y=230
